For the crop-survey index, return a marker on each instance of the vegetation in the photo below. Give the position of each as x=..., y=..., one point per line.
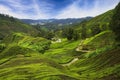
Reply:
x=70, y=34
x=9, y=24
x=23, y=44
x=86, y=52
x=115, y=22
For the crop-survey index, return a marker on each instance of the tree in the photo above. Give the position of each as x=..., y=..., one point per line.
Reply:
x=115, y=22
x=83, y=30
x=75, y=35
x=96, y=29
x=70, y=33
x=50, y=35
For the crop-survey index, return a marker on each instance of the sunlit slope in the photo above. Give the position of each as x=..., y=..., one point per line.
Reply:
x=97, y=24
x=23, y=44
x=35, y=68
x=97, y=44
x=22, y=58
x=62, y=52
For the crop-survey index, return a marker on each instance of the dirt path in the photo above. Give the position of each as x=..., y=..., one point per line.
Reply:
x=68, y=64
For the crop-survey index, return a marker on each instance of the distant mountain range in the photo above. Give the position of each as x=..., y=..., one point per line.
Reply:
x=55, y=21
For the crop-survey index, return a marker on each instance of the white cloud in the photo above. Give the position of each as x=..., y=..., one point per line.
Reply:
x=19, y=10
x=8, y=11
x=99, y=7
x=38, y=10
x=43, y=10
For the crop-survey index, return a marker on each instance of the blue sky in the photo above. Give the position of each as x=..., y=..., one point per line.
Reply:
x=46, y=9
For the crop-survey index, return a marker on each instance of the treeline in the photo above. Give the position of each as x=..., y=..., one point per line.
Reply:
x=115, y=23
x=7, y=17
x=69, y=32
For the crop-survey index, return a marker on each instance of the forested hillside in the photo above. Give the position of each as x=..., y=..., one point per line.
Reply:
x=10, y=25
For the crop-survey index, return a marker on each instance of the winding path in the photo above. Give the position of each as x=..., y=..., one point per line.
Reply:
x=68, y=64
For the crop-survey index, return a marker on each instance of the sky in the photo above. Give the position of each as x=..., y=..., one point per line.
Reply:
x=59, y=9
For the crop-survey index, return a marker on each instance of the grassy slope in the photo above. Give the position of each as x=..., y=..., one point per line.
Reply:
x=101, y=21
x=103, y=62
x=19, y=43
x=22, y=59
x=100, y=66
x=20, y=54
x=9, y=25
x=35, y=68
x=62, y=52
x=97, y=44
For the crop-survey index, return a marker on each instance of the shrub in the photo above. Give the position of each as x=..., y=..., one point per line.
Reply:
x=2, y=47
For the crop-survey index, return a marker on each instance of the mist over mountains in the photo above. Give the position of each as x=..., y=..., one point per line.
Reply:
x=66, y=21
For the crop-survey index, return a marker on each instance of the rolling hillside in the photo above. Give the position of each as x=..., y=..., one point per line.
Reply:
x=97, y=24
x=27, y=57
x=9, y=25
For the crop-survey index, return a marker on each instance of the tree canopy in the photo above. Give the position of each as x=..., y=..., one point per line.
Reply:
x=115, y=22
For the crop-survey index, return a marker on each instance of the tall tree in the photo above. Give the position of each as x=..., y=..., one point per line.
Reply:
x=96, y=29
x=115, y=22
x=83, y=30
x=75, y=35
x=68, y=33
x=50, y=35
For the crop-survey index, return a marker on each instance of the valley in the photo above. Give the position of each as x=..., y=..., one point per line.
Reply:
x=87, y=49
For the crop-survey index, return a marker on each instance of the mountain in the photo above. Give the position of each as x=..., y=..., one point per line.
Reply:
x=54, y=24
x=55, y=21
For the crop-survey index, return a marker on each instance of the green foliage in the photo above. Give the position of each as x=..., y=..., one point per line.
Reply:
x=9, y=24
x=2, y=47
x=70, y=33
x=95, y=29
x=115, y=22
x=62, y=52
x=99, y=66
x=36, y=44
x=100, y=40
x=20, y=43
x=75, y=35
x=99, y=51
x=49, y=35
x=14, y=50
x=36, y=68
x=95, y=25
x=83, y=30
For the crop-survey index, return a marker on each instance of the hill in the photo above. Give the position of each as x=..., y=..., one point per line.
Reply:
x=9, y=24
x=21, y=57
x=95, y=25
x=105, y=66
